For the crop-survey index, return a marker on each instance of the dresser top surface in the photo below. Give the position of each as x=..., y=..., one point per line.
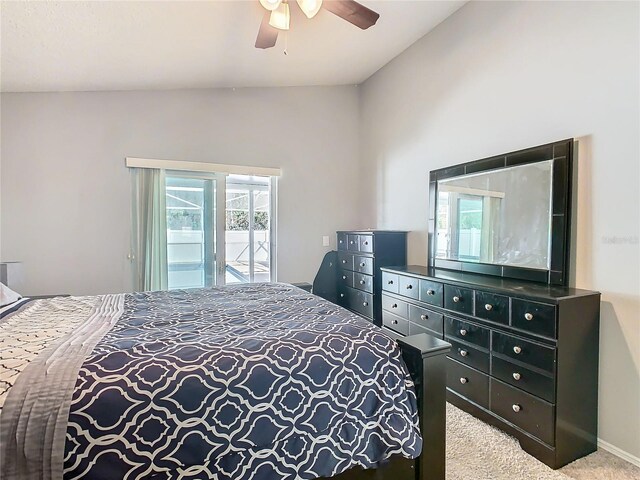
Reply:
x=475, y=280
x=371, y=232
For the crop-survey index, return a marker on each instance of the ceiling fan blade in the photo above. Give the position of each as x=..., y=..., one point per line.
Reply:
x=267, y=35
x=352, y=12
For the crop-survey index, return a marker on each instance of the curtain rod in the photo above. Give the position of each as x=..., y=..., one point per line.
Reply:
x=133, y=162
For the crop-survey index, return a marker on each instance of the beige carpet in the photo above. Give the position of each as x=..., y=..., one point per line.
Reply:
x=477, y=451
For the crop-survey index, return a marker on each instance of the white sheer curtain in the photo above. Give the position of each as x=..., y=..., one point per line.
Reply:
x=149, y=229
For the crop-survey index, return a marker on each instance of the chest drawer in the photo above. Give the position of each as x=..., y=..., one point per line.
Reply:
x=471, y=356
x=353, y=242
x=467, y=332
x=414, y=329
x=533, y=382
x=366, y=243
x=345, y=278
x=492, y=307
x=343, y=296
x=345, y=260
x=409, y=287
x=526, y=411
x=431, y=292
x=363, y=264
x=468, y=382
x=395, y=306
x=524, y=351
x=534, y=317
x=362, y=281
x=395, y=323
x=390, y=282
x=342, y=241
x=458, y=299
x=361, y=302
x=426, y=318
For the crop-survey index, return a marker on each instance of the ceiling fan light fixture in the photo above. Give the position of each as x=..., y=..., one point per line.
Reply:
x=310, y=7
x=270, y=4
x=280, y=17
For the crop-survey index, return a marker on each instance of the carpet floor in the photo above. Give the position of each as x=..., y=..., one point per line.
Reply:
x=477, y=451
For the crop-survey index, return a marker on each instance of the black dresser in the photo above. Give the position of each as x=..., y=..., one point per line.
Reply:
x=524, y=356
x=360, y=256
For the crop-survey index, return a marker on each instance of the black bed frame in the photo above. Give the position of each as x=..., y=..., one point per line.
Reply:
x=425, y=357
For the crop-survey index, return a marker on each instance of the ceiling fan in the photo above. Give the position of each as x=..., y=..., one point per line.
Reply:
x=277, y=16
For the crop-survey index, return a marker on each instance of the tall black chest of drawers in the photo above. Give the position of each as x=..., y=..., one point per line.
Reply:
x=524, y=356
x=360, y=256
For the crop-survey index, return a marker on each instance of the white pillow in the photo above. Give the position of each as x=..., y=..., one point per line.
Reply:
x=8, y=296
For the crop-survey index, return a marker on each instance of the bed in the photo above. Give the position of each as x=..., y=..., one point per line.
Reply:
x=257, y=381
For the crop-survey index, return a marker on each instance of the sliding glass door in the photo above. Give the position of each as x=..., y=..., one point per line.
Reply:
x=219, y=229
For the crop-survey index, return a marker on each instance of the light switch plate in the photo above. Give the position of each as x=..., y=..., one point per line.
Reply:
x=325, y=241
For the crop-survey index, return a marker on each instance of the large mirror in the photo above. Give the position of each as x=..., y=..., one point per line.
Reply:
x=507, y=216
x=500, y=217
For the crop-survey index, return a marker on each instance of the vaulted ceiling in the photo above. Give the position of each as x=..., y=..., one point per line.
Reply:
x=130, y=45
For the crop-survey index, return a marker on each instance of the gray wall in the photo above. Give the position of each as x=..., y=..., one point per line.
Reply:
x=501, y=76
x=66, y=192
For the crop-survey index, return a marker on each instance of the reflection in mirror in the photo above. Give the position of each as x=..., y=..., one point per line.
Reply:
x=498, y=217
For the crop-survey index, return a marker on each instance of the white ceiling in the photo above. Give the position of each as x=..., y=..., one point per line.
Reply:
x=131, y=45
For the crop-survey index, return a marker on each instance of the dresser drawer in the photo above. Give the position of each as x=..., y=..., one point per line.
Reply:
x=409, y=287
x=467, y=332
x=426, y=318
x=361, y=302
x=458, y=299
x=414, y=329
x=529, y=353
x=533, y=382
x=395, y=323
x=363, y=264
x=342, y=241
x=390, y=282
x=492, y=307
x=431, y=292
x=345, y=278
x=353, y=242
x=534, y=317
x=395, y=306
x=468, y=382
x=343, y=296
x=471, y=356
x=345, y=260
x=363, y=282
x=366, y=243
x=526, y=411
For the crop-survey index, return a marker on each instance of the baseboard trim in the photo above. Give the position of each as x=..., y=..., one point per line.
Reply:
x=618, y=452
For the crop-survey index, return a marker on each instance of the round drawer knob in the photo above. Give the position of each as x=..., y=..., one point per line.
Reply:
x=366, y=243
x=362, y=282
x=409, y=287
x=344, y=261
x=516, y=407
x=395, y=305
x=424, y=316
x=364, y=304
x=340, y=241
x=456, y=299
x=394, y=322
x=464, y=380
x=463, y=353
x=363, y=264
x=517, y=350
x=488, y=307
x=463, y=332
x=390, y=282
x=342, y=295
x=528, y=316
x=516, y=376
x=431, y=292
x=351, y=242
x=344, y=277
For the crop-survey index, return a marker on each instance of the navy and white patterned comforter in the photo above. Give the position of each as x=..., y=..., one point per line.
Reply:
x=259, y=381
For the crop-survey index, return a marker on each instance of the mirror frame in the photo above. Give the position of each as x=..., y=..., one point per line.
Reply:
x=562, y=155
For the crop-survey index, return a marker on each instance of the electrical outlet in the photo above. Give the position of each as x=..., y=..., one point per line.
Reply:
x=325, y=241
